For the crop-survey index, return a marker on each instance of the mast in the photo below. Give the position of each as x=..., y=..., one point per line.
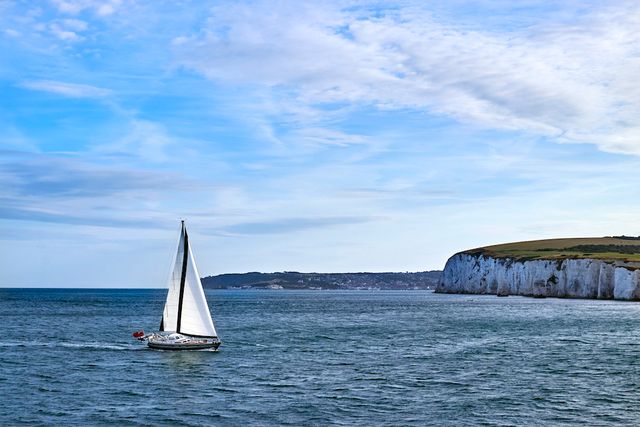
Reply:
x=183, y=275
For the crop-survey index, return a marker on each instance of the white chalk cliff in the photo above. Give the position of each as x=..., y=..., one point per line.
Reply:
x=565, y=278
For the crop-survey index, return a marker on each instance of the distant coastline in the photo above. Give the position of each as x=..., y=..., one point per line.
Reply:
x=425, y=280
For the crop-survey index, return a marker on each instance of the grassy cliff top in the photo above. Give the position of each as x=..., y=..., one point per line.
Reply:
x=617, y=248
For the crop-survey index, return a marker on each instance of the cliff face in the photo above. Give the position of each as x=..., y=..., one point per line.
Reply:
x=564, y=278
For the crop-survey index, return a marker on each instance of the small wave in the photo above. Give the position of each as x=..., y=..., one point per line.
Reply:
x=11, y=344
x=339, y=363
x=573, y=340
x=340, y=397
x=224, y=389
x=127, y=393
x=241, y=343
x=276, y=385
x=325, y=337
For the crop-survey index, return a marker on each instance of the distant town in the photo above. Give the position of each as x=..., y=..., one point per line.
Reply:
x=317, y=281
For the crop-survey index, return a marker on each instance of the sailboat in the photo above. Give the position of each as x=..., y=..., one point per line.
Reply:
x=186, y=321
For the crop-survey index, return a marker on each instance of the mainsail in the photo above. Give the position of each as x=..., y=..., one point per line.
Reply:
x=186, y=310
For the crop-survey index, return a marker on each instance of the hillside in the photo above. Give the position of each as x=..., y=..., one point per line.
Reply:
x=616, y=248
x=296, y=280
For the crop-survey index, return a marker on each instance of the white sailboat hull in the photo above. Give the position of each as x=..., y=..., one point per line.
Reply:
x=181, y=342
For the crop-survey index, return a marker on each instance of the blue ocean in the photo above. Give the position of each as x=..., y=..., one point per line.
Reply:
x=320, y=358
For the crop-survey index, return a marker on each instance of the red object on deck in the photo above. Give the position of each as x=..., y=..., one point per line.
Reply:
x=138, y=334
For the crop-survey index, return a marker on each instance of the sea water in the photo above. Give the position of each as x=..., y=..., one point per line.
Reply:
x=321, y=358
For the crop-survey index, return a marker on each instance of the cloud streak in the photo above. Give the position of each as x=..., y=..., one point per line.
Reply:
x=290, y=225
x=55, y=177
x=64, y=217
x=47, y=188
x=72, y=90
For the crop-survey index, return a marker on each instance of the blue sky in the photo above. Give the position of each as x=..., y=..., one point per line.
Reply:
x=342, y=136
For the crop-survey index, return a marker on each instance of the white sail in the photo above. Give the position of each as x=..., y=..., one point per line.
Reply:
x=170, y=314
x=186, y=310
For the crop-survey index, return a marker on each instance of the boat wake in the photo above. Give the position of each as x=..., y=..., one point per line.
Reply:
x=77, y=345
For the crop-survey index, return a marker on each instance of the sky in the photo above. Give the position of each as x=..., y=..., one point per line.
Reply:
x=308, y=136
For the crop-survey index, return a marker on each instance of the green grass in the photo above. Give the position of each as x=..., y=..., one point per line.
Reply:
x=606, y=248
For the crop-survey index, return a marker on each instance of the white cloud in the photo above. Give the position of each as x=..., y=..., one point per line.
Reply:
x=68, y=29
x=144, y=140
x=106, y=9
x=72, y=90
x=64, y=34
x=575, y=82
x=100, y=7
x=71, y=7
x=12, y=33
x=75, y=24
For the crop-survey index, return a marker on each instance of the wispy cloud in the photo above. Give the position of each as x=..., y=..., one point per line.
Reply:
x=73, y=90
x=144, y=140
x=40, y=214
x=324, y=136
x=572, y=82
x=51, y=177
